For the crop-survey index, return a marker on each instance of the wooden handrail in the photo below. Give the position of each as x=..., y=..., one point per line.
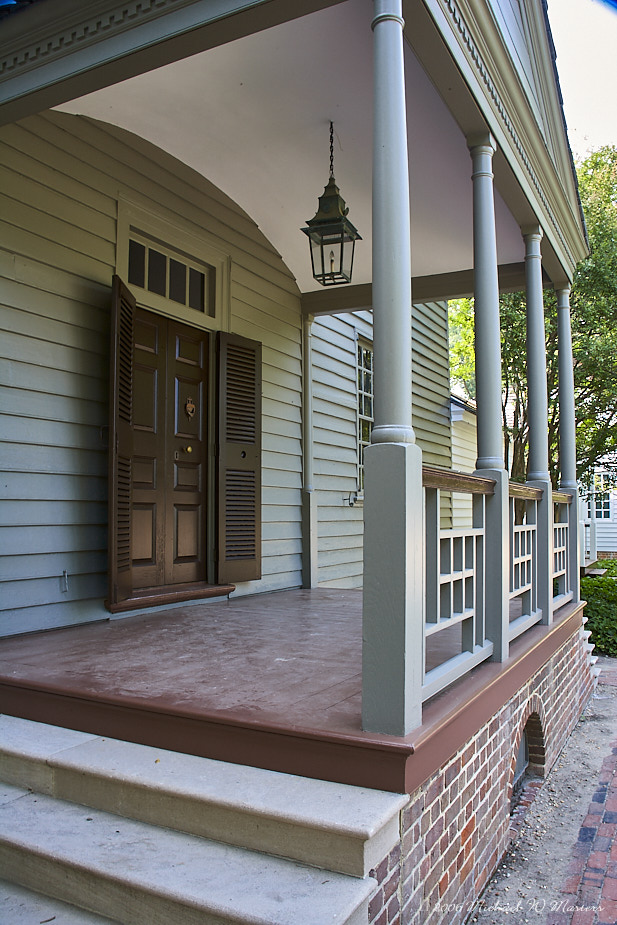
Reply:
x=562, y=497
x=525, y=492
x=448, y=480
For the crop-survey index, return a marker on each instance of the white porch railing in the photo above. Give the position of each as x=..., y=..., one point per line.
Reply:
x=454, y=623
x=524, y=611
x=562, y=578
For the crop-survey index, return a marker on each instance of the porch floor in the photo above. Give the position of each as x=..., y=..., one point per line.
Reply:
x=272, y=680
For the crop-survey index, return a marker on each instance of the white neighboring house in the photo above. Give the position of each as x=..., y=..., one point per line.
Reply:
x=599, y=514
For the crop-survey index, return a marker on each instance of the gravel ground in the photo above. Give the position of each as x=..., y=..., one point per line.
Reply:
x=527, y=884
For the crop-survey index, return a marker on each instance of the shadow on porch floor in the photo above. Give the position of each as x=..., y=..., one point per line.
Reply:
x=272, y=680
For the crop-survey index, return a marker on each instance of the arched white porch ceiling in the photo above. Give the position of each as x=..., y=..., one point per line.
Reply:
x=252, y=116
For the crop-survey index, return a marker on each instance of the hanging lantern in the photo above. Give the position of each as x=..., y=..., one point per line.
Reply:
x=331, y=235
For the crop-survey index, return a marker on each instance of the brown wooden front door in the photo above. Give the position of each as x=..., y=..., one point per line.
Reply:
x=160, y=514
x=169, y=473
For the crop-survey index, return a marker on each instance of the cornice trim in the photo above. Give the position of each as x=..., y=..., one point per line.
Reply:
x=475, y=57
x=88, y=31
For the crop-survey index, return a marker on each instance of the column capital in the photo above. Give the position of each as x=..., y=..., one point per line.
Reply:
x=388, y=10
x=532, y=232
x=482, y=140
x=563, y=295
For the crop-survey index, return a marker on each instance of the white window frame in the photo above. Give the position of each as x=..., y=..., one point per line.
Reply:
x=196, y=250
x=601, y=497
x=364, y=403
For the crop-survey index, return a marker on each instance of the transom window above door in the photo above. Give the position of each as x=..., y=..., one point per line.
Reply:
x=173, y=268
x=172, y=275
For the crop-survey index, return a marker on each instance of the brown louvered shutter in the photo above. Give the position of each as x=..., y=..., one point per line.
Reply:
x=120, y=440
x=239, y=459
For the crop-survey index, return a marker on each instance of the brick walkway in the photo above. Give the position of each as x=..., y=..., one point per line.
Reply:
x=589, y=894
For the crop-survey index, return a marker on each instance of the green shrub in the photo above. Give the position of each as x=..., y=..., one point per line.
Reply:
x=601, y=610
x=610, y=565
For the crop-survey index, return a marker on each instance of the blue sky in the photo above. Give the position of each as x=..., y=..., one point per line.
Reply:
x=585, y=35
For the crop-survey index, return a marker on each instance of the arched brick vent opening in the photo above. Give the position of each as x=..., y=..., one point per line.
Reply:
x=528, y=760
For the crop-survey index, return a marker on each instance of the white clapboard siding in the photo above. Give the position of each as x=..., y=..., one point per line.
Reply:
x=62, y=178
x=607, y=529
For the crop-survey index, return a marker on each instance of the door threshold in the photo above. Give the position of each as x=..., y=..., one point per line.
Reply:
x=169, y=594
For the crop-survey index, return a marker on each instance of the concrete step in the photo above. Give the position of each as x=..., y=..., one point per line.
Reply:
x=19, y=906
x=140, y=874
x=327, y=825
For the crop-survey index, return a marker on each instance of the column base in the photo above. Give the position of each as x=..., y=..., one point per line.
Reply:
x=393, y=617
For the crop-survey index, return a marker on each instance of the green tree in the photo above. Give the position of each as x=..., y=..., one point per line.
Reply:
x=594, y=339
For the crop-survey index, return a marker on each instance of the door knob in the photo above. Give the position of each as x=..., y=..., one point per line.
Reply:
x=187, y=449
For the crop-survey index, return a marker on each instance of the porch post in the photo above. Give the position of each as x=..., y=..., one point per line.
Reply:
x=392, y=609
x=490, y=462
x=567, y=431
x=309, y=498
x=537, y=415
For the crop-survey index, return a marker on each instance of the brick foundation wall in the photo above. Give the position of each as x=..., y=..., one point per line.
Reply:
x=456, y=826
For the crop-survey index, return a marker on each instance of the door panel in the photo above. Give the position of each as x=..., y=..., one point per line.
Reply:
x=186, y=498
x=169, y=479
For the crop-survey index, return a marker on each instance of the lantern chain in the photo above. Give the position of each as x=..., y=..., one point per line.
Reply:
x=332, y=149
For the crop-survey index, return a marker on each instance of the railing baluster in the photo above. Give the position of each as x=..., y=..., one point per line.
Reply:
x=455, y=576
x=524, y=611
x=562, y=577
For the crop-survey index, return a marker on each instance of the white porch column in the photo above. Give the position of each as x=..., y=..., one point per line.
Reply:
x=490, y=462
x=486, y=307
x=567, y=431
x=393, y=574
x=537, y=417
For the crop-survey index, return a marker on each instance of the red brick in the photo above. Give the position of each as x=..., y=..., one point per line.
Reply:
x=375, y=904
x=443, y=883
x=467, y=868
x=598, y=859
x=434, y=834
x=583, y=917
x=394, y=857
x=452, y=772
x=609, y=890
x=434, y=790
x=607, y=911
x=391, y=886
x=468, y=829
x=394, y=908
x=433, y=879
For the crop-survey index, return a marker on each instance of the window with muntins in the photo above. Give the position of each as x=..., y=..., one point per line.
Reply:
x=600, y=498
x=365, y=405
x=172, y=275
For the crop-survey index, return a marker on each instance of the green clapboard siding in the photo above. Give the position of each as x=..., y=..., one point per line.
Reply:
x=335, y=427
x=62, y=177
